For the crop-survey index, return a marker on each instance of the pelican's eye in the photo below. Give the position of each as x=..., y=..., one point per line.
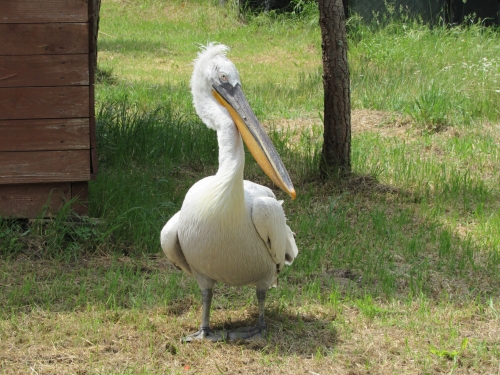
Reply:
x=223, y=77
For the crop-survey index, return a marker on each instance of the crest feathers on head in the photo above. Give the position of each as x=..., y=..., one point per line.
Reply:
x=209, y=51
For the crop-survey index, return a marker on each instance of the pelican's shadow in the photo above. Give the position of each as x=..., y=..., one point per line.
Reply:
x=288, y=333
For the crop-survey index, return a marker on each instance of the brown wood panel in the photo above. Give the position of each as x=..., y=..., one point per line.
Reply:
x=30, y=201
x=24, y=11
x=50, y=134
x=44, y=102
x=44, y=166
x=43, y=39
x=44, y=70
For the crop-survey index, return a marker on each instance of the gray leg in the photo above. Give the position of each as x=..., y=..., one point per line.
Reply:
x=205, y=332
x=257, y=332
x=206, y=298
x=261, y=298
x=245, y=333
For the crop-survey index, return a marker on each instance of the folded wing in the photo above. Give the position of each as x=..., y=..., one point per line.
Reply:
x=269, y=219
x=171, y=246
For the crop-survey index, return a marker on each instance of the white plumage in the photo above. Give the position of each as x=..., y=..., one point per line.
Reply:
x=230, y=230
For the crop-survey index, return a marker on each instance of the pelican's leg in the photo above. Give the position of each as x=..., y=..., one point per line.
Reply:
x=256, y=332
x=261, y=298
x=205, y=332
x=206, y=298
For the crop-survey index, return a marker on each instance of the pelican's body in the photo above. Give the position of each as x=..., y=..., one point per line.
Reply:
x=230, y=230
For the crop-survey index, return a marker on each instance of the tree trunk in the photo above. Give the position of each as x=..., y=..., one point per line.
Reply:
x=336, y=153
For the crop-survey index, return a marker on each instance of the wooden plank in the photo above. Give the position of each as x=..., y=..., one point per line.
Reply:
x=44, y=70
x=35, y=11
x=30, y=201
x=44, y=102
x=44, y=135
x=44, y=166
x=43, y=39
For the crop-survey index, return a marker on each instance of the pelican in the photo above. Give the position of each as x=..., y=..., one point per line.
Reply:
x=230, y=230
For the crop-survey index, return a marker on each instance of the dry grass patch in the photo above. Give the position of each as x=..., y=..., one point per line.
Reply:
x=351, y=337
x=362, y=120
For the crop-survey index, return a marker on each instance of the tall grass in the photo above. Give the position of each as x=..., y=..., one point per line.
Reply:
x=130, y=134
x=460, y=87
x=153, y=146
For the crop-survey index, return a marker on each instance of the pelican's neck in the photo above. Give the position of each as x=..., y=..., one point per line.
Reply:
x=229, y=176
x=231, y=155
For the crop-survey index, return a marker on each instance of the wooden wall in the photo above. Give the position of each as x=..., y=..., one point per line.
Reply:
x=47, y=119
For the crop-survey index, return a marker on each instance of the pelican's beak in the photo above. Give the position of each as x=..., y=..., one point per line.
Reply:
x=254, y=135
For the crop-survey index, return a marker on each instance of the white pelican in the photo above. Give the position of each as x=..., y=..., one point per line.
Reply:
x=230, y=230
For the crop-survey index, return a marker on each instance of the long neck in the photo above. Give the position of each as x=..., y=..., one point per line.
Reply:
x=231, y=155
x=228, y=181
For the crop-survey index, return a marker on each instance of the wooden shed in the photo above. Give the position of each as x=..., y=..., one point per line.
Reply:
x=47, y=118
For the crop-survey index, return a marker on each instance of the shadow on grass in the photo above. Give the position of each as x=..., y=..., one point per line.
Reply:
x=382, y=233
x=288, y=333
x=374, y=232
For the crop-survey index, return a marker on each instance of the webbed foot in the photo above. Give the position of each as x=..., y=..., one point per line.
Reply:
x=206, y=334
x=248, y=333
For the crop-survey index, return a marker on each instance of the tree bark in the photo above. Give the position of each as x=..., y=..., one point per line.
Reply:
x=336, y=153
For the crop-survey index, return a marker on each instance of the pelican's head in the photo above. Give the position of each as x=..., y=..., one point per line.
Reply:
x=208, y=67
x=217, y=96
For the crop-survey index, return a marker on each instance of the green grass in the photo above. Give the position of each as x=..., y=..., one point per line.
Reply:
x=399, y=265
x=458, y=88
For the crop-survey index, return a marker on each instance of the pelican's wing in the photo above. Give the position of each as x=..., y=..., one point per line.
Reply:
x=171, y=246
x=269, y=219
x=254, y=190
